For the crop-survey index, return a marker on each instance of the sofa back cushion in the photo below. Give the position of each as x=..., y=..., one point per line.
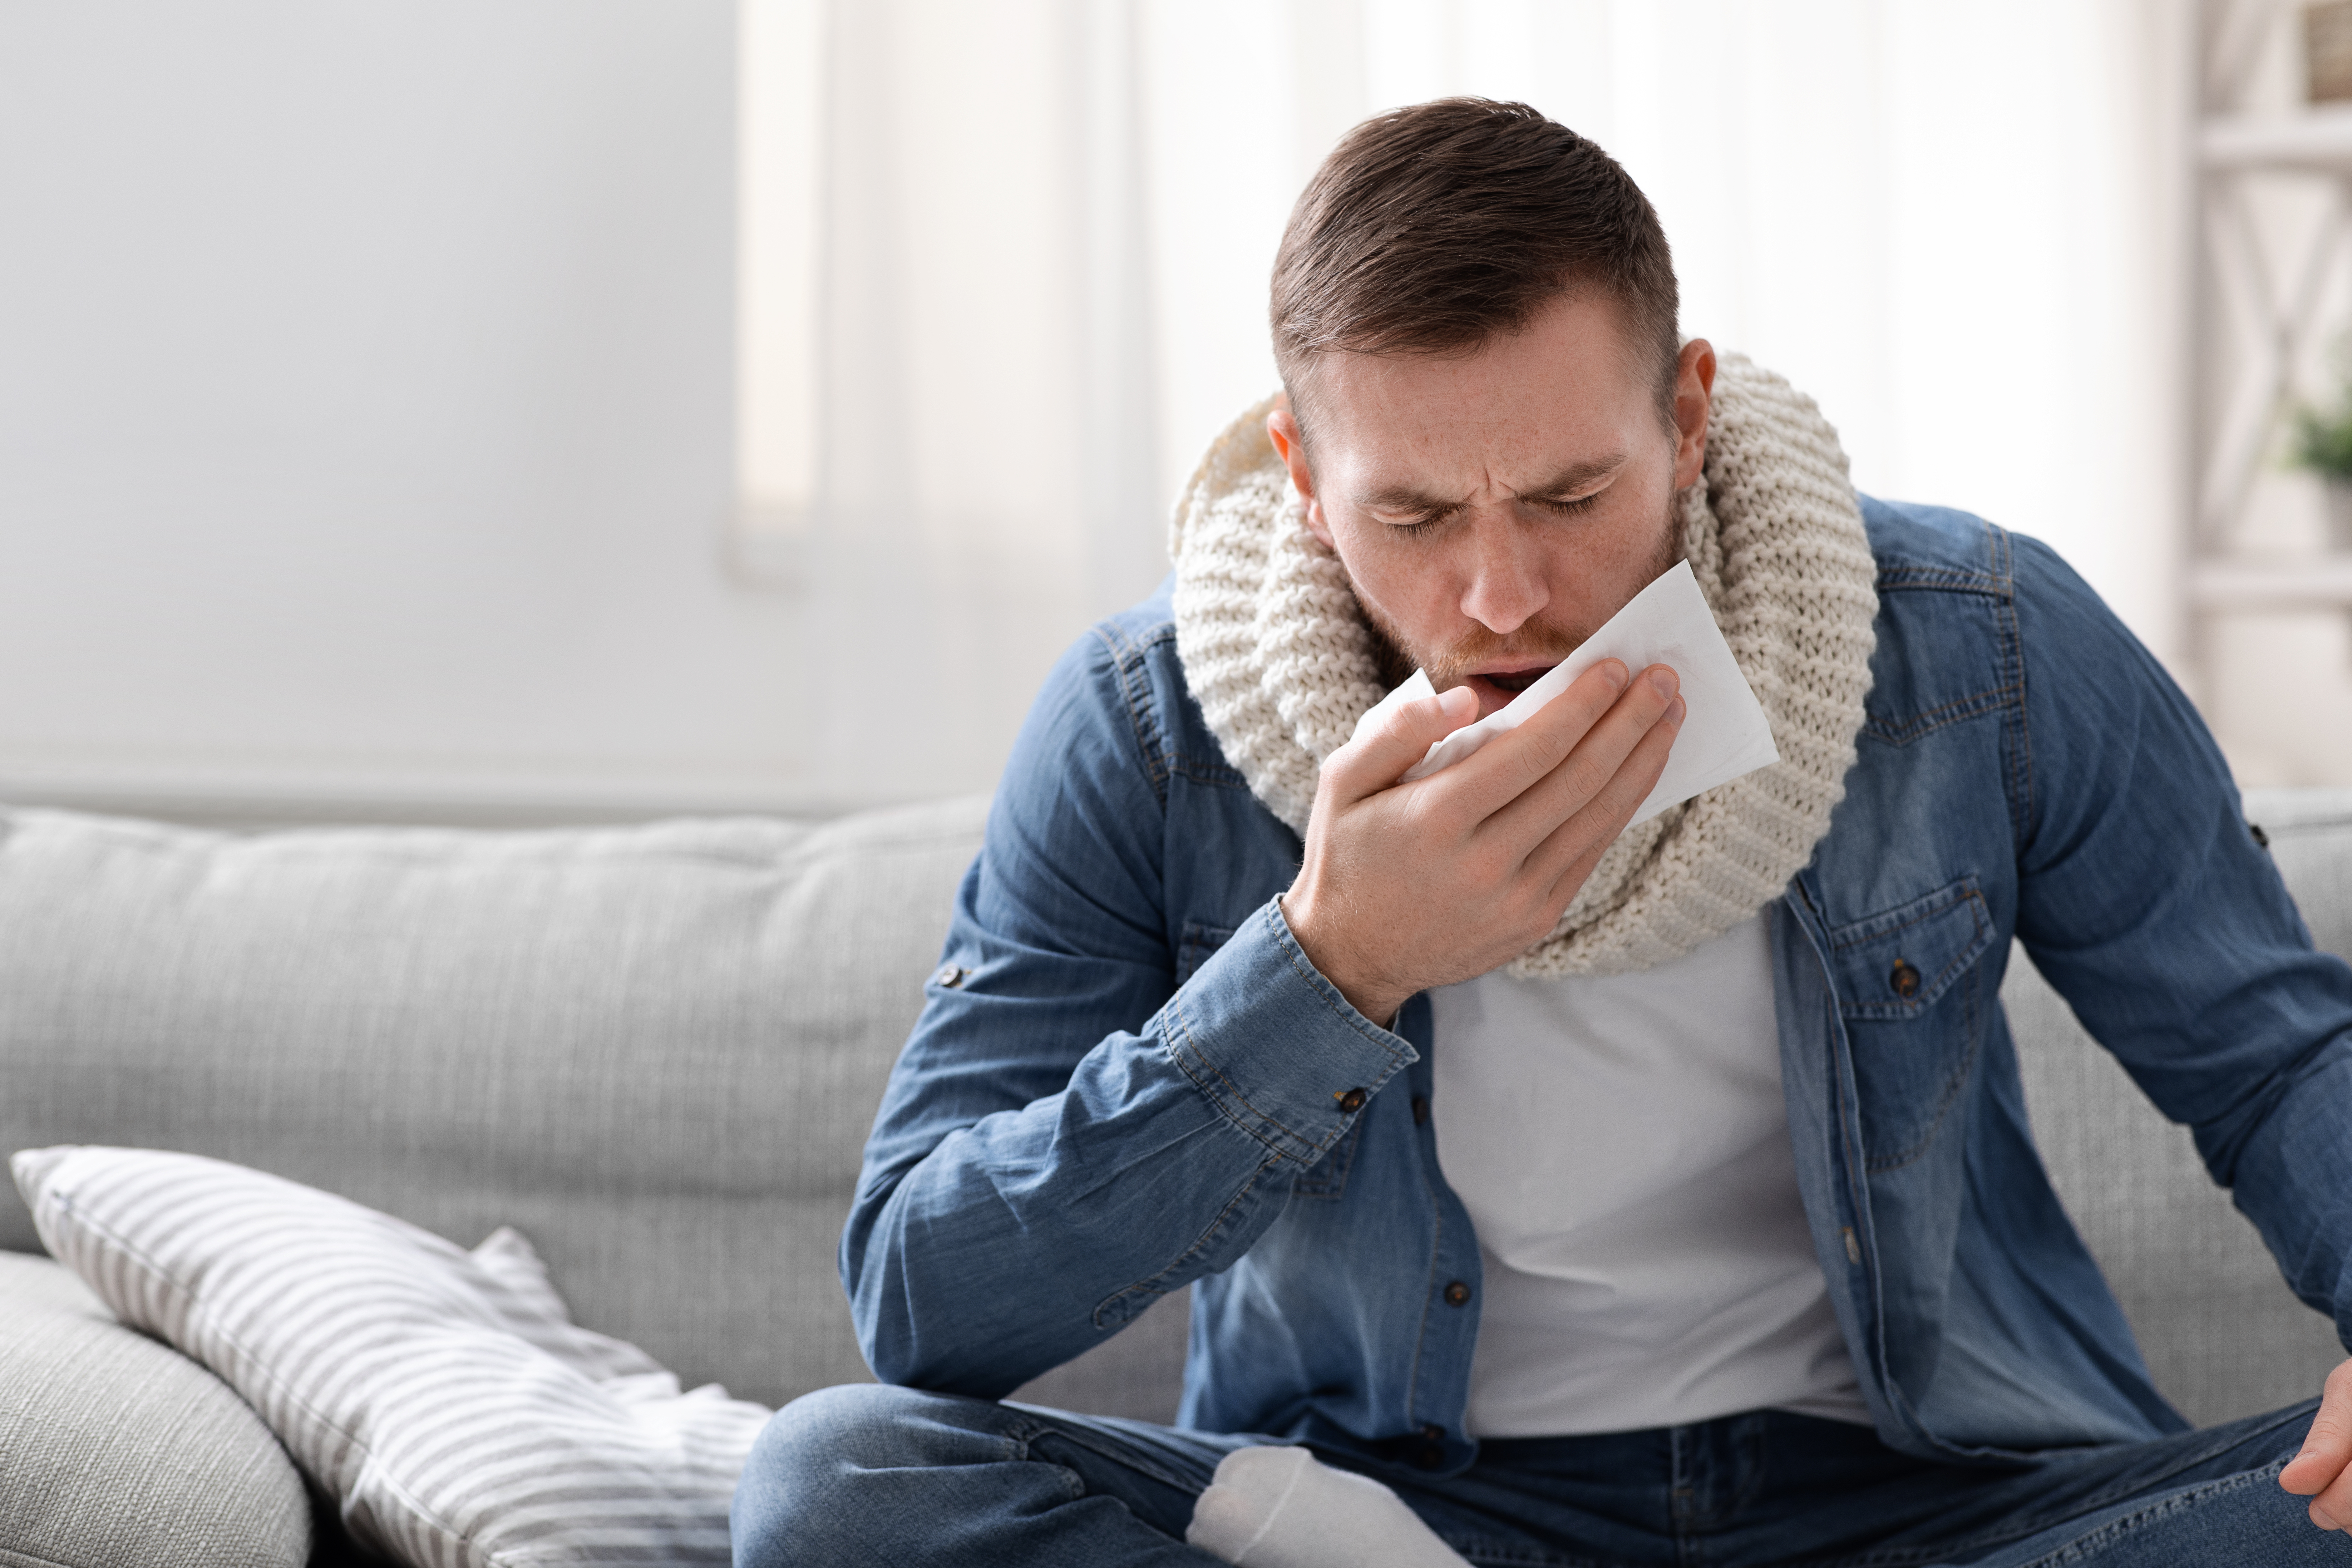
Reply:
x=654, y=1050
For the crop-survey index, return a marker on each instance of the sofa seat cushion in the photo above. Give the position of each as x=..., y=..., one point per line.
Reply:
x=443, y=1399
x=119, y=1452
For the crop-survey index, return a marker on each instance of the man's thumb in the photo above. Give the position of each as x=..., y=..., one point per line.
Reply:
x=1374, y=760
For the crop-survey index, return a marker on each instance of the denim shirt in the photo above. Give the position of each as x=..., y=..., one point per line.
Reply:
x=1132, y=1078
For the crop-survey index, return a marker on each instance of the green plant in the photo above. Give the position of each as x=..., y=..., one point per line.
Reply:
x=2323, y=442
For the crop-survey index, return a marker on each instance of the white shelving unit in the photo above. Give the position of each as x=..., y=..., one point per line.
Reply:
x=2260, y=291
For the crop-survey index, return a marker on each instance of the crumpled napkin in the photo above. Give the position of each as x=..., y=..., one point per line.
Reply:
x=1724, y=735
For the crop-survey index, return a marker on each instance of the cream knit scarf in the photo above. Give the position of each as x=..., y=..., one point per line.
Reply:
x=1280, y=659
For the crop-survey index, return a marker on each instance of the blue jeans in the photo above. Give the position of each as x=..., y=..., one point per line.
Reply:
x=876, y=1474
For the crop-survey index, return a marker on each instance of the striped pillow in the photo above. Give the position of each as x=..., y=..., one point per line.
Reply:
x=444, y=1397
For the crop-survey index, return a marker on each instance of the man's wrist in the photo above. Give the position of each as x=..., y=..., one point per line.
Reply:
x=1378, y=1003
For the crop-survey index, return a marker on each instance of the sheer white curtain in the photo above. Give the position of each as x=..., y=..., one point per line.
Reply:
x=1047, y=227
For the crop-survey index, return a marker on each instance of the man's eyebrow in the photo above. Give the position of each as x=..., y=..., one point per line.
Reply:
x=1404, y=497
x=1570, y=479
x=1574, y=478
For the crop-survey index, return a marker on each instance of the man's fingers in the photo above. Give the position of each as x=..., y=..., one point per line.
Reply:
x=2319, y=1471
x=1511, y=764
x=1588, y=768
x=1569, y=853
x=1373, y=762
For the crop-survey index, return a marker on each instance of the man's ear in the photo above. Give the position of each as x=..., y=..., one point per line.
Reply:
x=1693, y=400
x=1282, y=427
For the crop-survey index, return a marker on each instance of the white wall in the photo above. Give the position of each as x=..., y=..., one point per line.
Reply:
x=365, y=380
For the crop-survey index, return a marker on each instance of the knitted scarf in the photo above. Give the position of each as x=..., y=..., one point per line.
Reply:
x=1279, y=655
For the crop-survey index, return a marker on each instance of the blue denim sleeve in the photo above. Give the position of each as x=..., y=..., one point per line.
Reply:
x=1068, y=1135
x=2147, y=902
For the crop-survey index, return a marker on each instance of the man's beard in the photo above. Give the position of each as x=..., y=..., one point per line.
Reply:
x=1540, y=640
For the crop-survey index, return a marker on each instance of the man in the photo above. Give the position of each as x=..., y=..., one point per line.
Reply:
x=1611, y=1194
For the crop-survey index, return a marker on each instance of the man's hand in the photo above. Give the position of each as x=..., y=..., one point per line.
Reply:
x=2323, y=1471
x=1409, y=886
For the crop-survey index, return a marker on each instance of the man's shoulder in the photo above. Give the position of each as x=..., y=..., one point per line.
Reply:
x=1123, y=676
x=1144, y=633
x=1975, y=621
x=1126, y=665
x=1112, y=666
x=1927, y=554
x=1930, y=548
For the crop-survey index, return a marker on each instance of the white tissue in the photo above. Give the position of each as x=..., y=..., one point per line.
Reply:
x=1724, y=735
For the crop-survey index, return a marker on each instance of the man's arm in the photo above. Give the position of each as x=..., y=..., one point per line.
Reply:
x=1064, y=1140
x=2145, y=901
x=1067, y=1134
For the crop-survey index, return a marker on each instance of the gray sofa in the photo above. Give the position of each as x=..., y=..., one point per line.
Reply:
x=655, y=1050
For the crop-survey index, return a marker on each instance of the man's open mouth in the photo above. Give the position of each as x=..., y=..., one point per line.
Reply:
x=1516, y=679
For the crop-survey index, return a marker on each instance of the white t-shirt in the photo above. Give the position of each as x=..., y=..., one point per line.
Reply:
x=1622, y=1146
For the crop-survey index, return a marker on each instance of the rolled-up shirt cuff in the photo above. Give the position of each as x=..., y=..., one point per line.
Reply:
x=1275, y=1046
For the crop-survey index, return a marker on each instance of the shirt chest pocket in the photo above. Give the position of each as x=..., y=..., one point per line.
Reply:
x=1910, y=987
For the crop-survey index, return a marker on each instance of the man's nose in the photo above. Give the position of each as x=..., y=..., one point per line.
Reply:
x=1503, y=582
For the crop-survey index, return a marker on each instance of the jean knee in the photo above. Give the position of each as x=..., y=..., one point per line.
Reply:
x=796, y=1500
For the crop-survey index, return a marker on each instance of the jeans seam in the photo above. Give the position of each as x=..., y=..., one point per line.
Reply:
x=1140, y=1464
x=2034, y=1524
x=1017, y=1441
x=2121, y=1490
x=2084, y=1546
x=1508, y=1554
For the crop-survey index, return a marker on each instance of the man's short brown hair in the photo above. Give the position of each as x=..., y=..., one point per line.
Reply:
x=1430, y=230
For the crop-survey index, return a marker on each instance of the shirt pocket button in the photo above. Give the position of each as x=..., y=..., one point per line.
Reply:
x=1905, y=978
x=1350, y=1101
